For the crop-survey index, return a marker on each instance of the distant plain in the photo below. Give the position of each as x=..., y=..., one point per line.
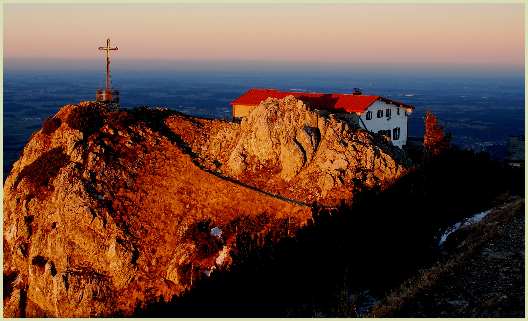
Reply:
x=481, y=108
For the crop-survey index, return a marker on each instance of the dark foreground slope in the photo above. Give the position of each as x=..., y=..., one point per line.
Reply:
x=482, y=274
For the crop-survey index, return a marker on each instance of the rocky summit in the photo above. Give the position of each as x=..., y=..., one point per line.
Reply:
x=286, y=148
x=108, y=210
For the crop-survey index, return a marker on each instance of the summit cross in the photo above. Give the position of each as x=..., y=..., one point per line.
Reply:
x=107, y=49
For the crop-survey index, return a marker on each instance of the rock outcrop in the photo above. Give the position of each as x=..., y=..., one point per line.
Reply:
x=105, y=211
x=286, y=148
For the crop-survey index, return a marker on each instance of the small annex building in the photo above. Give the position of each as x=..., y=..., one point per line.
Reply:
x=373, y=113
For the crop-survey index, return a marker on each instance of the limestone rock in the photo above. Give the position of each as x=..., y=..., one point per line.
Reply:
x=292, y=159
x=285, y=147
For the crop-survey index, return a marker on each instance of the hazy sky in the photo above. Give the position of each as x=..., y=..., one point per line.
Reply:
x=395, y=34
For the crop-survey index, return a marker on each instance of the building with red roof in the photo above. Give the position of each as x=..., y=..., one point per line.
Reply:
x=374, y=113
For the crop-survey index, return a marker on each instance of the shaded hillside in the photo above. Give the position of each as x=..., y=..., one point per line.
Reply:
x=481, y=273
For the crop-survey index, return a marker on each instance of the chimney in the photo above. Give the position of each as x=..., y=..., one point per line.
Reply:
x=357, y=91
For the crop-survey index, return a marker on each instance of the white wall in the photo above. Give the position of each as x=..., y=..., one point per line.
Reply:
x=375, y=124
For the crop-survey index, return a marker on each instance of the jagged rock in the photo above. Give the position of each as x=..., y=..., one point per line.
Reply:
x=236, y=164
x=284, y=147
x=292, y=159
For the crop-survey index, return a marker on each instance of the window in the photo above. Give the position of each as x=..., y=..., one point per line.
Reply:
x=380, y=113
x=398, y=110
x=388, y=112
x=369, y=115
x=386, y=133
x=396, y=133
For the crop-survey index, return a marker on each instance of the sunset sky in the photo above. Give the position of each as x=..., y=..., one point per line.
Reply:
x=445, y=34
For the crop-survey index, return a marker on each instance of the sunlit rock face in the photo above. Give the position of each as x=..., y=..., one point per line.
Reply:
x=287, y=148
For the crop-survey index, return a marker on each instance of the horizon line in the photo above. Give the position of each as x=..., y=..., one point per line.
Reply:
x=266, y=62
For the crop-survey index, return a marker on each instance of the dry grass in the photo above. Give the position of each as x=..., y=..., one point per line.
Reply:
x=50, y=125
x=86, y=119
x=43, y=170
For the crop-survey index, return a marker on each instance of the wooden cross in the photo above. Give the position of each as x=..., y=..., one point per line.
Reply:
x=107, y=49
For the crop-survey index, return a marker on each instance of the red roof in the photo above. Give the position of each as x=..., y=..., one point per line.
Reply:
x=345, y=102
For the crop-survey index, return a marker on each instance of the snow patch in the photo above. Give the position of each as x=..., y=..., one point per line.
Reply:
x=208, y=272
x=216, y=231
x=465, y=222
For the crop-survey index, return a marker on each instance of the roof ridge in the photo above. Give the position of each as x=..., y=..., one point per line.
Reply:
x=347, y=102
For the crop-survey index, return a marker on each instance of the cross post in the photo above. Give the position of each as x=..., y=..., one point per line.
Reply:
x=107, y=49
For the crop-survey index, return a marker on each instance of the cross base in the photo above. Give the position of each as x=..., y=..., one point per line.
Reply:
x=108, y=96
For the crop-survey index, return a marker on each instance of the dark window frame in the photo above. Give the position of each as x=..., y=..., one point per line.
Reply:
x=380, y=113
x=388, y=112
x=396, y=133
x=368, y=115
